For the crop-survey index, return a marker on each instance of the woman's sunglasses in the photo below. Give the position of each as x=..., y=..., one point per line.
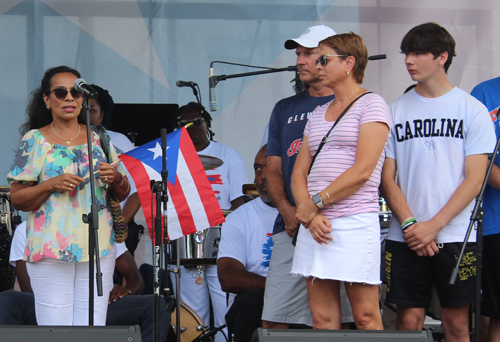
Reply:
x=61, y=93
x=196, y=122
x=323, y=59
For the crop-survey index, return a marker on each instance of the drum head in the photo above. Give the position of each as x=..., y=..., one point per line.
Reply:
x=191, y=323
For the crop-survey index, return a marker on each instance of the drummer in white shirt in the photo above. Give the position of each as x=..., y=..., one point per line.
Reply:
x=244, y=254
x=200, y=285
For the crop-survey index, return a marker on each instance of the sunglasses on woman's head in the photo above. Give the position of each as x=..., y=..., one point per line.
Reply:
x=323, y=60
x=61, y=93
x=196, y=122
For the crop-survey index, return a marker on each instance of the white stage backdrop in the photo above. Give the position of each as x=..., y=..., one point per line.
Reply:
x=138, y=49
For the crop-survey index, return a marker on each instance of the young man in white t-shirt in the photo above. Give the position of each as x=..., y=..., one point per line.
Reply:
x=441, y=138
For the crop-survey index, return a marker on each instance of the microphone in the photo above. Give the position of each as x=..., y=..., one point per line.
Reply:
x=82, y=86
x=212, y=104
x=185, y=84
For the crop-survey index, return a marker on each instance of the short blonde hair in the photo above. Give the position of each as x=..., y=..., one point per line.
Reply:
x=350, y=44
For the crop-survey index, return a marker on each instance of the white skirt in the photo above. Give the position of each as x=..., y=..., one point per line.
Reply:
x=352, y=256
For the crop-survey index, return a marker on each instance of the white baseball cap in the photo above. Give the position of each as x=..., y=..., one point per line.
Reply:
x=311, y=37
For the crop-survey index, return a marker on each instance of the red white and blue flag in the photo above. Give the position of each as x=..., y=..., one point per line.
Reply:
x=192, y=205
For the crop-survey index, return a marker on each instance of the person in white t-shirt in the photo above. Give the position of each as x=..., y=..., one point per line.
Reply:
x=441, y=138
x=244, y=254
x=198, y=285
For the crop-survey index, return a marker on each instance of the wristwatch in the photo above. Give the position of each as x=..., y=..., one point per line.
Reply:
x=318, y=201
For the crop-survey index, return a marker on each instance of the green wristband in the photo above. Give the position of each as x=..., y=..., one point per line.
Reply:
x=408, y=223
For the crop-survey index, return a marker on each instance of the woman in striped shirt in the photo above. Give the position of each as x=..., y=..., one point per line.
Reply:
x=338, y=200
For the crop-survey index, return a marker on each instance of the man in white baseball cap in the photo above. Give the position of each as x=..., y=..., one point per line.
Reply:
x=285, y=299
x=310, y=38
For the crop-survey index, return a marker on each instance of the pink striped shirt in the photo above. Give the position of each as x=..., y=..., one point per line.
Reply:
x=339, y=153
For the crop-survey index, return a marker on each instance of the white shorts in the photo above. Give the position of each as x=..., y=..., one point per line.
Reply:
x=352, y=256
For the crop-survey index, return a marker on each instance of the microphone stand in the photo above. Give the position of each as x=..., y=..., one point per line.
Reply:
x=476, y=217
x=213, y=80
x=160, y=189
x=92, y=219
x=193, y=86
x=195, y=92
x=178, y=290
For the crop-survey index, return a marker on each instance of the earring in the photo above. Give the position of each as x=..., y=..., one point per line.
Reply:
x=348, y=73
x=48, y=108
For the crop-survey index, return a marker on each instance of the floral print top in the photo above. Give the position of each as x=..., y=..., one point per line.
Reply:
x=56, y=229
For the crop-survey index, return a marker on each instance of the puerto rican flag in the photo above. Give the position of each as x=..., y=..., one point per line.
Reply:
x=192, y=205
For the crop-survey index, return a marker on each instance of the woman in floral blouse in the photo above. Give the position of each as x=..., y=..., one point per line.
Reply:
x=50, y=180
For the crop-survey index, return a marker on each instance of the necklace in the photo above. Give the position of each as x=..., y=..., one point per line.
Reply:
x=355, y=90
x=68, y=141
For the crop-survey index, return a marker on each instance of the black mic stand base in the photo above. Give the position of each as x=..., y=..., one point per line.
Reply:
x=476, y=218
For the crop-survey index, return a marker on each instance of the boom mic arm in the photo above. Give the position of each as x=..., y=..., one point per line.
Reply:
x=213, y=79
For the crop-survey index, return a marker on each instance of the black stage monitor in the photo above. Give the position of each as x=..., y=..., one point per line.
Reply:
x=144, y=119
x=293, y=335
x=23, y=333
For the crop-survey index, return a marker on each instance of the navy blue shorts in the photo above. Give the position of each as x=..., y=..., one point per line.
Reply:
x=491, y=276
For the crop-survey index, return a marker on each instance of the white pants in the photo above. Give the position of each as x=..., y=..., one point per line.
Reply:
x=61, y=290
x=198, y=296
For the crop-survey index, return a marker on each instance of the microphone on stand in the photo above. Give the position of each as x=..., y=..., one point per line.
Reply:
x=82, y=86
x=192, y=85
x=212, y=104
x=185, y=84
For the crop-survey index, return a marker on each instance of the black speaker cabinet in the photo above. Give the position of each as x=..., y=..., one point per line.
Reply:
x=144, y=119
x=23, y=333
x=293, y=335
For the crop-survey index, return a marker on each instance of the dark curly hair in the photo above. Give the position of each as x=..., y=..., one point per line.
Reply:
x=199, y=108
x=38, y=114
x=107, y=105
